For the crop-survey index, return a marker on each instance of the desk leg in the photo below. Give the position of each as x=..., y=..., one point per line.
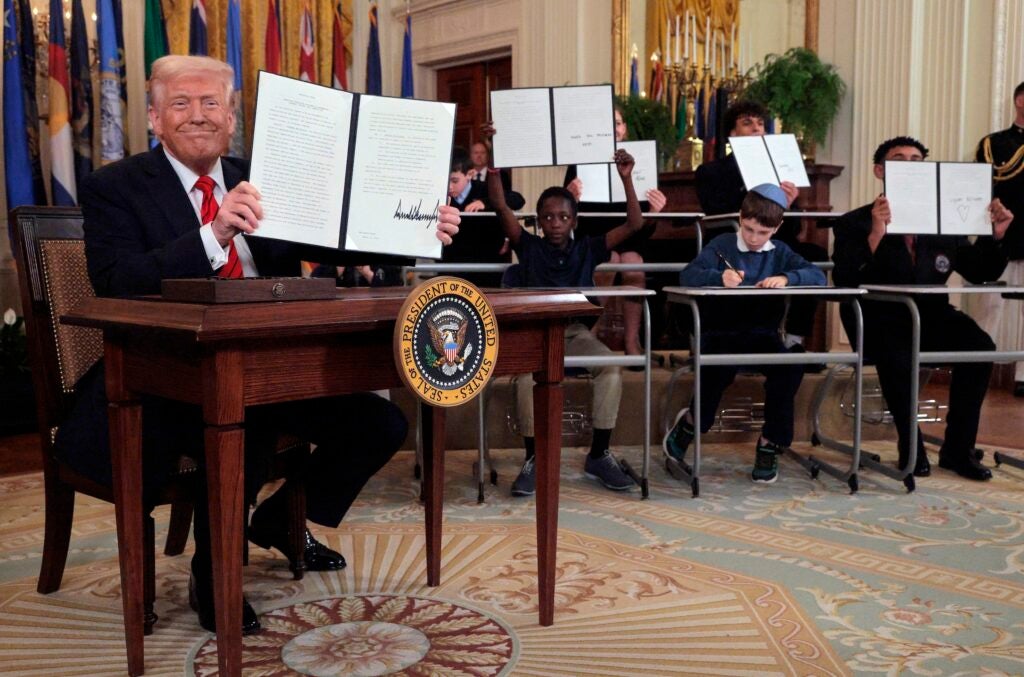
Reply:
x=126, y=458
x=433, y=419
x=225, y=449
x=547, y=414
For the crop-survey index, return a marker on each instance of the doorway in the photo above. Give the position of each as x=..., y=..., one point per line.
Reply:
x=469, y=85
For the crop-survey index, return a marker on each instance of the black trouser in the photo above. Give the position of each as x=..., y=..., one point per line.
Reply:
x=780, y=385
x=943, y=327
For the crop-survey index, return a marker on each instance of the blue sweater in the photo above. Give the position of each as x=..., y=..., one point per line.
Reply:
x=748, y=313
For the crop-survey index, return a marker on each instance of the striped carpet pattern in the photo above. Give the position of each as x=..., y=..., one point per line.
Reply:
x=797, y=577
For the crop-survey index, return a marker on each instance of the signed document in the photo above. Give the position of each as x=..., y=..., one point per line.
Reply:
x=544, y=126
x=939, y=198
x=772, y=158
x=601, y=183
x=350, y=171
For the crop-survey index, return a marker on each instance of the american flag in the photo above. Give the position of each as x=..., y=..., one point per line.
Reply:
x=307, y=47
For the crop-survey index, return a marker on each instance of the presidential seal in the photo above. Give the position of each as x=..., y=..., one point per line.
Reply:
x=446, y=341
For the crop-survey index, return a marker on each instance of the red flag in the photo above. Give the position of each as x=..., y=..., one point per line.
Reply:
x=340, y=79
x=272, y=41
x=307, y=47
x=657, y=81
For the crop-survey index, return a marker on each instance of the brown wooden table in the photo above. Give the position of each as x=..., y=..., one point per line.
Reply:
x=230, y=356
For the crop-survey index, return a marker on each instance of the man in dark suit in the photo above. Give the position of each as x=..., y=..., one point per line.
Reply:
x=182, y=210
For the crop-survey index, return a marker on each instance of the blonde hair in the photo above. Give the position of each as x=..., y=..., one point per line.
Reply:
x=173, y=66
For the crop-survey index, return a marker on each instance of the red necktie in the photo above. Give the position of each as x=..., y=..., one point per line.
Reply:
x=207, y=212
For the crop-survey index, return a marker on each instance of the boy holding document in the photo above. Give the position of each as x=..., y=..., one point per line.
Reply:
x=560, y=260
x=748, y=258
x=865, y=253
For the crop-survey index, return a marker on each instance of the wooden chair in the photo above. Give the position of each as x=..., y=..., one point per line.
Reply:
x=52, y=275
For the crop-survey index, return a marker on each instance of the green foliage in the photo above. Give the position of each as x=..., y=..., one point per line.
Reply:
x=800, y=89
x=648, y=119
x=13, y=346
x=430, y=354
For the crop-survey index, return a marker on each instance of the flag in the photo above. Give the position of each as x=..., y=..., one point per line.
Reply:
x=769, y=124
x=339, y=67
x=407, y=88
x=681, y=119
x=62, y=167
x=721, y=134
x=710, y=129
x=27, y=38
x=272, y=39
x=81, y=93
x=657, y=81
x=373, y=81
x=197, y=36
x=111, y=104
x=17, y=161
x=233, y=41
x=307, y=47
x=634, y=78
x=698, y=118
x=155, y=34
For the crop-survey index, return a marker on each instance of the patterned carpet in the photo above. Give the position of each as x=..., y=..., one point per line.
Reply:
x=797, y=577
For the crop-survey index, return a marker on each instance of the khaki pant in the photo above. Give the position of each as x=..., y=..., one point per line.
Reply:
x=579, y=341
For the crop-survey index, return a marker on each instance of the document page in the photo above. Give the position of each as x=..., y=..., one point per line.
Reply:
x=522, y=124
x=403, y=151
x=787, y=158
x=645, y=171
x=584, y=124
x=753, y=160
x=596, y=186
x=912, y=189
x=965, y=191
x=299, y=158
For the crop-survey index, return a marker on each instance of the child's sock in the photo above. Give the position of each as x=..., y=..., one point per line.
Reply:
x=792, y=340
x=602, y=438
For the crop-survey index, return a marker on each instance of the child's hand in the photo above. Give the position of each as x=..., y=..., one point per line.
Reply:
x=732, y=278
x=881, y=215
x=576, y=188
x=1001, y=218
x=773, y=282
x=656, y=199
x=474, y=206
x=624, y=163
x=791, y=191
x=487, y=131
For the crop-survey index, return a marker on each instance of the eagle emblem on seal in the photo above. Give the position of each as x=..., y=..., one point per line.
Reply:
x=447, y=336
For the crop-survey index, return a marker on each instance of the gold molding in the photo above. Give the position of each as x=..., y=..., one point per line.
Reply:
x=620, y=45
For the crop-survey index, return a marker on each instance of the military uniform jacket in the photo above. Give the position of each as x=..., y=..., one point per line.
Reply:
x=1005, y=150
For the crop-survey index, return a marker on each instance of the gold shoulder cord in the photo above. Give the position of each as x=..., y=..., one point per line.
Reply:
x=1007, y=170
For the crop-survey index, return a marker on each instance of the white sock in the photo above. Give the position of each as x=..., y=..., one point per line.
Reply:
x=791, y=340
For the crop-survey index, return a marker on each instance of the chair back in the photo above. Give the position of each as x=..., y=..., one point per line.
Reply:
x=50, y=252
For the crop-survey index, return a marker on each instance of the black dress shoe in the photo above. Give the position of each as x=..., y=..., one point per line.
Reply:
x=317, y=556
x=965, y=465
x=922, y=468
x=201, y=602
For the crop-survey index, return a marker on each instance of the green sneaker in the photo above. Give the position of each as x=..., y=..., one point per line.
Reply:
x=766, y=463
x=677, y=439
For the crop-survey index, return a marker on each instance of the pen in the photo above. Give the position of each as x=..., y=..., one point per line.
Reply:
x=726, y=262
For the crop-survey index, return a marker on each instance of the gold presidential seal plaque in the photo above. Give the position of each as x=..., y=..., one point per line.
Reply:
x=446, y=341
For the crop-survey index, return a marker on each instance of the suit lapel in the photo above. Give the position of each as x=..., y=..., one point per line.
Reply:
x=167, y=192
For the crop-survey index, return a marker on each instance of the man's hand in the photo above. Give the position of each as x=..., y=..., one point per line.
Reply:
x=447, y=223
x=576, y=188
x=624, y=163
x=240, y=213
x=1001, y=218
x=487, y=131
x=474, y=206
x=732, y=278
x=366, y=272
x=656, y=199
x=791, y=191
x=773, y=282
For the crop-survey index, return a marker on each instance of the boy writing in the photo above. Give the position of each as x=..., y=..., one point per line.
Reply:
x=748, y=258
x=560, y=260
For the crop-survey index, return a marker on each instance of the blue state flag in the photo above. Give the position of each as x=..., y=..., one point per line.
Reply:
x=81, y=92
x=407, y=88
x=17, y=160
x=373, y=79
x=197, y=40
x=634, y=77
x=234, y=58
x=110, y=67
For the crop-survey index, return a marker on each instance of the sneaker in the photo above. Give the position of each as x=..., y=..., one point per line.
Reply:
x=526, y=480
x=766, y=463
x=677, y=439
x=606, y=470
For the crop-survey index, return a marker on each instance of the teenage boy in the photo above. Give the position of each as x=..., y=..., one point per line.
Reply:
x=560, y=260
x=747, y=258
x=866, y=254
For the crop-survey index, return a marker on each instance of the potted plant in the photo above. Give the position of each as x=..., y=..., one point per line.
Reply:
x=17, y=404
x=800, y=90
x=647, y=119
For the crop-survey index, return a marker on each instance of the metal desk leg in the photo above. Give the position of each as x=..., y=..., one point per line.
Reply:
x=681, y=471
x=642, y=478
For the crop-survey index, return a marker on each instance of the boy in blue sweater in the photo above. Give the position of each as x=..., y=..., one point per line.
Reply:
x=747, y=325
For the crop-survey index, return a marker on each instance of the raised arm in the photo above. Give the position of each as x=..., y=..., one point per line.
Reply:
x=496, y=192
x=634, y=217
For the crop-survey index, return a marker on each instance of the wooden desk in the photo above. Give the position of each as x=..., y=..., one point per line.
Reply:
x=230, y=356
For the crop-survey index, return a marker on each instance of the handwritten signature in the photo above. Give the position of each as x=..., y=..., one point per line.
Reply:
x=416, y=213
